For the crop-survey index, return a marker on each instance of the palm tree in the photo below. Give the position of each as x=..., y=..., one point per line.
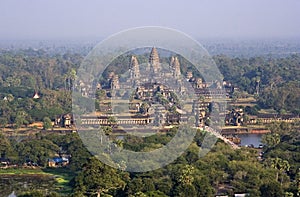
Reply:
x=72, y=77
x=119, y=143
x=186, y=177
x=69, y=79
x=281, y=165
x=271, y=139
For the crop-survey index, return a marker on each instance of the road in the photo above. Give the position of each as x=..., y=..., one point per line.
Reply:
x=218, y=135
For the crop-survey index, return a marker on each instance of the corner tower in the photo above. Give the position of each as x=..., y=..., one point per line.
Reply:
x=175, y=65
x=134, y=68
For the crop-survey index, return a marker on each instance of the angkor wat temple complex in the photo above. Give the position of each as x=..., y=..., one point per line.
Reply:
x=152, y=94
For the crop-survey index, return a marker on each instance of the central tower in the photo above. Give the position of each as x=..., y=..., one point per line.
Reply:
x=134, y=68
x=154, y=61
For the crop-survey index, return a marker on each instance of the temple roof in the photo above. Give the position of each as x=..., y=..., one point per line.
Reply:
x=154, y=55
x=134, y=62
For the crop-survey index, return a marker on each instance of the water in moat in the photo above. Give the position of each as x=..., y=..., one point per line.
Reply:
x=247, y=139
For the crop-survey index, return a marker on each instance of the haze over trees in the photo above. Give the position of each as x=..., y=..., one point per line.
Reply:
x=275, y=81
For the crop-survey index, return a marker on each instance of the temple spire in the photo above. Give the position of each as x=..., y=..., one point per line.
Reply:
x=115, y=82
x=154, y=61
x=135, y=69
x=176, y=67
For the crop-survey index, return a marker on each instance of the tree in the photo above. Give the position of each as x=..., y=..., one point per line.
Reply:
x=185, y=190
x=271, y=189
x=72, y=75
x=134, y=186
x=98, y=178
x=100, y=94
x=20, y=119
x=279, y=164
x=186, y=177
x=156, y=193
x=79, y=152
x=298, y=183
x=288, y=194
x=107, y=130
x=37, y=151
x=3, y=122
x=47, y=124
x=32, y=194
x=119, y=143
x=112, y=121
x=271, y=139
x=203, y=186
x=5, y=145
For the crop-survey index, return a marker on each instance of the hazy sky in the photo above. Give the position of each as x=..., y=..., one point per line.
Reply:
x=74, y=19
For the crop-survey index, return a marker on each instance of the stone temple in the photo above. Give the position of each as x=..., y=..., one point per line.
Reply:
x=151, y=93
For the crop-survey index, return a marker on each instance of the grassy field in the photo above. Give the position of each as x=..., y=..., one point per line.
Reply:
x=62, y=176
x=22, y=171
